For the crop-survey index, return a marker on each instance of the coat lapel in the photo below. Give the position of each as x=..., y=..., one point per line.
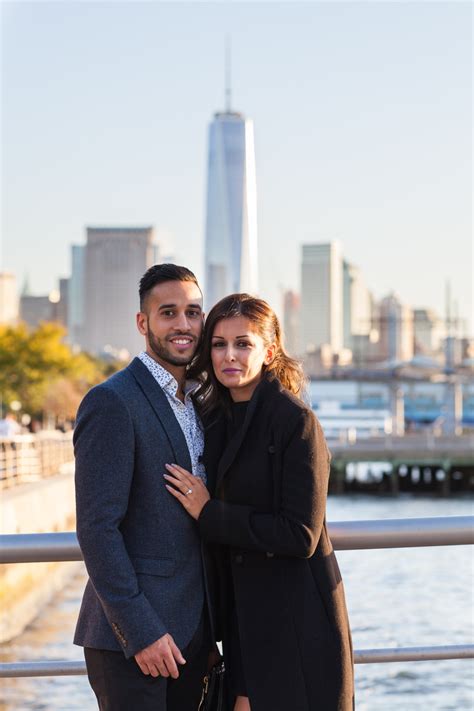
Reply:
x=235, y=443
x=159, y=402
x=215, y=433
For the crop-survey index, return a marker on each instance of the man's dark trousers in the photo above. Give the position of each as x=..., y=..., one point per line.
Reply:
x=120, y=685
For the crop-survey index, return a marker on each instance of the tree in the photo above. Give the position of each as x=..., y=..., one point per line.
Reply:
x=38, y=369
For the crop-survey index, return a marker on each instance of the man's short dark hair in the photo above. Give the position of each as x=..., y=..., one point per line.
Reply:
x=159, y=273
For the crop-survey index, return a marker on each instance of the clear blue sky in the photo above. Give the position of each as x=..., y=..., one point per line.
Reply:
x=362, y=116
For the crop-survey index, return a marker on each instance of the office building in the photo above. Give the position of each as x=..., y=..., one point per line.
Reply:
x=321, y=297
x=115, y=260
x=76, y=299
x=365, y=349
x=36, y=309
x=357, y=305
x=231, y=217
x=291, y=321
x=428, y=332
x=62, y=306
x=8, y=299
x=396, y=329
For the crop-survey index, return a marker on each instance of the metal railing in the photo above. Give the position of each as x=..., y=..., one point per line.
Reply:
x=27, y=458
x=345, y=535
x=361, y=656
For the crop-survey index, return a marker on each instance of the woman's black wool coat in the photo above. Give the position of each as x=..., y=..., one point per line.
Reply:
x=269, y=487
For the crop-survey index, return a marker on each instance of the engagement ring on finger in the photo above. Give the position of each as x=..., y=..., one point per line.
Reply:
x=189, y=491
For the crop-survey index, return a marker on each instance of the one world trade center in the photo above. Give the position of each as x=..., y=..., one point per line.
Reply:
x=231, y=220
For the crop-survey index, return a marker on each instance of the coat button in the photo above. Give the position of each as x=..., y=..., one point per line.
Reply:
x=272, y=449
x=269, y=555
x=239, y=559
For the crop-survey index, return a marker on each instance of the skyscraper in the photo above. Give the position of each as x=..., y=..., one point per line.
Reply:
x=428, y=331
x=357, y=305
x=231, y=220
x=291, y=321
x=396, y=329
x=115, y=260
x=37, y=309
x=62, y=306
x=75, y=320
x=321, y=297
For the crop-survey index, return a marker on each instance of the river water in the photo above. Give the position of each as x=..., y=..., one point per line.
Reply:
x=407, y=597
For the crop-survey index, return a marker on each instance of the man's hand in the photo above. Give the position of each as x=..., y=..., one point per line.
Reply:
x=159, y=659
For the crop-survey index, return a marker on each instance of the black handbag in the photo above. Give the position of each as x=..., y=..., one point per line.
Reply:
x=213, y=691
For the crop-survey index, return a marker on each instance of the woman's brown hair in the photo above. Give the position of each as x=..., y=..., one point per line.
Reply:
x=287, y=370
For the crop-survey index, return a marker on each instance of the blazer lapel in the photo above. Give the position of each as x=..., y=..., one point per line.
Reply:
x=159, y=402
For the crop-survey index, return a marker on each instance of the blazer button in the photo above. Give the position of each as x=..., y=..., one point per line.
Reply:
x=272, y=449
x=239, y=559
x=269, y=555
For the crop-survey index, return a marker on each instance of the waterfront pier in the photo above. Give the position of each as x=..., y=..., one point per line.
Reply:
x=417, y=463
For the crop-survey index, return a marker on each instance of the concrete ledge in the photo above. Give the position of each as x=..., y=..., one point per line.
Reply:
x=37, y=507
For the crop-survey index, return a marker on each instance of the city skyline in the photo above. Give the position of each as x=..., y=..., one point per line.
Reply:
x=335, y=316
x=371, y=145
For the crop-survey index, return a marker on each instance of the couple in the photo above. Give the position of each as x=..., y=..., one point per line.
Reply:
x=201, y=483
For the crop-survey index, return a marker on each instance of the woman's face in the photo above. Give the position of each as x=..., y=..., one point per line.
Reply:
x=238, y=353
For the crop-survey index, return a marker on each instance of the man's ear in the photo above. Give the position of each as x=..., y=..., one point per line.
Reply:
x=142, y=323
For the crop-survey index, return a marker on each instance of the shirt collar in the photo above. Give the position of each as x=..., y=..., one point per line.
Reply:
x=164, y=378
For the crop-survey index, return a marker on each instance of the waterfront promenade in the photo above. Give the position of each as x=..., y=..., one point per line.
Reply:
x=27, y=458
x=37, y=496
x=383, y=586
x=396, y=597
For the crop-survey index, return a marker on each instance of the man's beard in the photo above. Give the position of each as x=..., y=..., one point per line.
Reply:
x=160, y=348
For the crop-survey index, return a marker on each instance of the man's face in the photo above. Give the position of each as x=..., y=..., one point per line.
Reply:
x=172, y=322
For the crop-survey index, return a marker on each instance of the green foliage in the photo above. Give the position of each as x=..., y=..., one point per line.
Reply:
x=43, y=373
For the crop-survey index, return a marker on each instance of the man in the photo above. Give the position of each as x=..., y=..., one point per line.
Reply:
x=144, y=622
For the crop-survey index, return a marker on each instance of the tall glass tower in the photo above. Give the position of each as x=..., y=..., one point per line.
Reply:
x=231, y=222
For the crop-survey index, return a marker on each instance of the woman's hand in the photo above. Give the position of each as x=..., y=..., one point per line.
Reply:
x=190, y=490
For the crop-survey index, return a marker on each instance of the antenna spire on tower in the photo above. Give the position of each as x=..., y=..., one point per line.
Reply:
x=228, y=78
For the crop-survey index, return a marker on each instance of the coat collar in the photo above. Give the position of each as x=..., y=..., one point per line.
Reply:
x=268, y=385
x=159, y=402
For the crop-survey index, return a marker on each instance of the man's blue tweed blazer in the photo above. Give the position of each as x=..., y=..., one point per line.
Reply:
x=142, y=550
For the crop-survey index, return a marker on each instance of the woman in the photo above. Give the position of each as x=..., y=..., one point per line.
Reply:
x=285, y=630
